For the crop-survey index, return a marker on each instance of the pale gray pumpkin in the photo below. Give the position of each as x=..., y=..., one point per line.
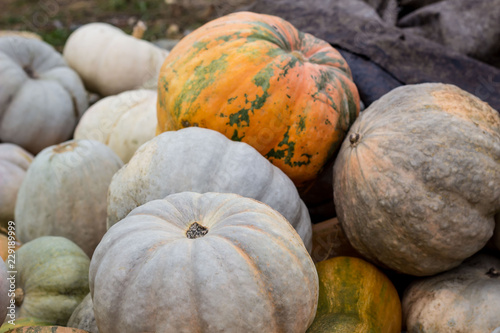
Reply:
x=110, y=61
x=417, y=180
x=464, y=299
x=213, y=262
x=123, y=122
x=64, y=193
x=83, y=316
x=202, y=160
x=41, y=99
x=14, y=161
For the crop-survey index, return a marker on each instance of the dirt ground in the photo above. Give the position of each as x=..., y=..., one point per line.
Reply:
x=54, y=20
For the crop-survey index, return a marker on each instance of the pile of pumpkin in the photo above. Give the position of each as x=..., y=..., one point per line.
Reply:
x=179, y=208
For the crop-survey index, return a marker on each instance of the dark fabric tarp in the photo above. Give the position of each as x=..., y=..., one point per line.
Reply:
x=385, y=51
x=389, y=43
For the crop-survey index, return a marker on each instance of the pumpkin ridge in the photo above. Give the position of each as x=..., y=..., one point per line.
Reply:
x=260, y=276
x=273, y=238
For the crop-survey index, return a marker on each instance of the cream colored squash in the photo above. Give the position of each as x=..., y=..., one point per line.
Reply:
x=202, y=160
x=64, y=193
x=14, y=161
x=123, y=122
x=110, y=61
x=213, y=262
x=25, y=34
x=41, y=98
x=464, y=299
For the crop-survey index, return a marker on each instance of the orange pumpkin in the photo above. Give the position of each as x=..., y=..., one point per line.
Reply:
x=257, y=79
x=4, y=246
x=355, y=297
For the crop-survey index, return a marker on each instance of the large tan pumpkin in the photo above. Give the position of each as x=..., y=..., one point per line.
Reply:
x=64, y=193
x=203, y=263
x=14, y=161
x=465, y=299
x=417, y=181
x=201, y=160
x=123, y=122
x=110, y=61
x=41, y=98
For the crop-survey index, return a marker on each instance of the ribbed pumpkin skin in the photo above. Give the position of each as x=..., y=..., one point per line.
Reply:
x=249, y=273
x=257, y=79
x=355, y=297
x=14, y=161
x=53, y=275
x=417, y=180
x=74, y=177
x=202, y=160
x=465, y=299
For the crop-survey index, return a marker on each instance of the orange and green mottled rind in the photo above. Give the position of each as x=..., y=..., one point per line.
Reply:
x=257, y=79
x=22, y=322
x=355, y=297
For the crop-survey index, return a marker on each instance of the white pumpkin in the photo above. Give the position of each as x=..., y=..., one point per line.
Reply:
x=64, y=193
x=123, y=122
x=201, y=160
x=110, y=61
x=41, y=98
x=464, y=299
x=14, y=161
x=213, y=262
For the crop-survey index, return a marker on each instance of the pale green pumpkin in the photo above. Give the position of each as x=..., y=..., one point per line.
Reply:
x=52, y=279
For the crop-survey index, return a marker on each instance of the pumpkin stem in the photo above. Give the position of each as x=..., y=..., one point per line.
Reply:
x=493, y=273
x=63, y=147
x=196, y=230
x=30, y=72
x=299, y=55
x=139, y=29
x=354, y=139
x=19, y=296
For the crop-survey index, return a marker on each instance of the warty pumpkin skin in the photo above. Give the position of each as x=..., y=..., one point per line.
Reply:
x=64, y=193
x=51, y=280
x=123, y=122
x=14, y=161
x=213, y=262
x=464, y=299
x=202, y=160
x=257, y=79
x=41, y=99
x=417, y=180
x=355, y=297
